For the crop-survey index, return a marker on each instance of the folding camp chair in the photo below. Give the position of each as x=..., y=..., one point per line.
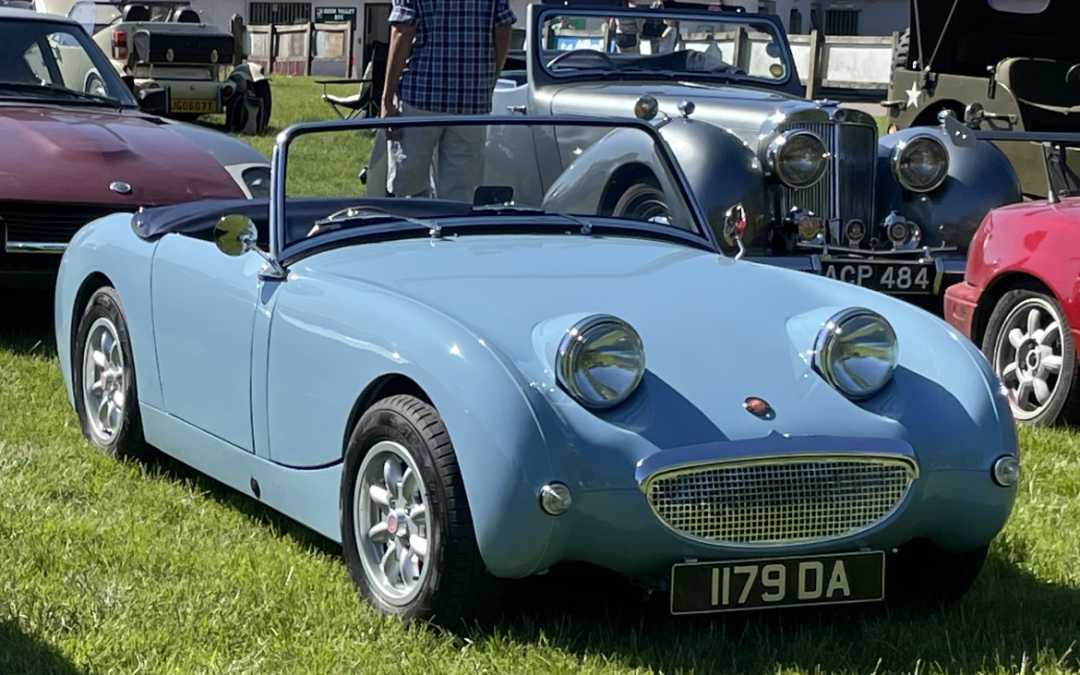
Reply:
x=364, y=103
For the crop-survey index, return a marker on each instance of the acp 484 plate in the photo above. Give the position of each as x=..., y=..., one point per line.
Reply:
x=738, y=585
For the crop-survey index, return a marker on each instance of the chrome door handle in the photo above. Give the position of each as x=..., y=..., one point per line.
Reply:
x=516, y=109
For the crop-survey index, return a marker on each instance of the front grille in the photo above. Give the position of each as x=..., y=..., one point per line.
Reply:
x=780, y=501
x=847, y=190
x=34, y=222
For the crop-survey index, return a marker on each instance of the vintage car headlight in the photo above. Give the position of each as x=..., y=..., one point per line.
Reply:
x=920, y=164
x=798, y=158
x=257, y=179
x=856, y=352
x=600, y=361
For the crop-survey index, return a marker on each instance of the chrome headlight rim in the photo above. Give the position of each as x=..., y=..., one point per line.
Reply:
x=774, y=159
x=905, y=147
x=576, y=339
x=831, y=334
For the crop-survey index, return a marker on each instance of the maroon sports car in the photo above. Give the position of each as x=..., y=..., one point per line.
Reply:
x=75, y=145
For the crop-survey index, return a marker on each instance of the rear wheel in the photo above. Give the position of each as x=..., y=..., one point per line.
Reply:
x=1030, y=346
x=406, y=528
x=643, y=200
x=262, y=92
x=106, y=397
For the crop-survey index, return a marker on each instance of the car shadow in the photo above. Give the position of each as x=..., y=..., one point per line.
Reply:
x=1009, y=615
x=24, y=653
x=27, y=325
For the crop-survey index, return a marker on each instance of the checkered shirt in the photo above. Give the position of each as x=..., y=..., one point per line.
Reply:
x=451, y=67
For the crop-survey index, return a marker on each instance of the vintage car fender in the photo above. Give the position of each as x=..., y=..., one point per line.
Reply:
x=980, y=179
x=729, y=174
x=252, y=72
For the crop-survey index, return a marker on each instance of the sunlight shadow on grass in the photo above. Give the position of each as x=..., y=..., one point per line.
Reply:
x=23, y=653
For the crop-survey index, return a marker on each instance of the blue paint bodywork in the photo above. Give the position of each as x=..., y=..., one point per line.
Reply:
x=246, y=378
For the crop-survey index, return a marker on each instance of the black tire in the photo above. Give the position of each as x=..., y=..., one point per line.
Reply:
x=454, y=587
x=1030, y=360
x=921, y=576
x=94, y=81
x=642, y=200
x=903, y=50
x=103, y=315
x=262, y=92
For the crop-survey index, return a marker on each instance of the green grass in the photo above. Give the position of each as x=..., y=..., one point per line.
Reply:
x=114, y=567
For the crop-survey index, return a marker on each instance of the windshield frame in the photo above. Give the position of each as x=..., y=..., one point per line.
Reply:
x=541, y=14
x=105, y=70
x=281, y=249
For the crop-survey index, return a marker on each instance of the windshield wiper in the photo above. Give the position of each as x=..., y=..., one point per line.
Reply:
x=497, y=209
x=369, y=215
x=60, y=89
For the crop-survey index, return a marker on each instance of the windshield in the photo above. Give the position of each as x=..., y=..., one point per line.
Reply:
x=55, y=61
x=669, y=43
x=516, y=174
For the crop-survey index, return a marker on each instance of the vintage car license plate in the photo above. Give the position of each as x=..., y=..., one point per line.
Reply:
x=192, y=105
x=884, y=276
x=738, y=585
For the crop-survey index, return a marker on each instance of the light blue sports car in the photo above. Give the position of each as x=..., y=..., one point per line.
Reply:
x=482, y=385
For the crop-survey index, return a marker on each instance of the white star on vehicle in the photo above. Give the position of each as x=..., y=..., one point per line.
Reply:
x=913, y=95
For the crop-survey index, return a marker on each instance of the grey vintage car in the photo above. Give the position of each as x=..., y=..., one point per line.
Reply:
x=815, y=186
x=998, y=65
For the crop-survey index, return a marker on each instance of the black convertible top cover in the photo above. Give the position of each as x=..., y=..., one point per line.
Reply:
x=195, y=218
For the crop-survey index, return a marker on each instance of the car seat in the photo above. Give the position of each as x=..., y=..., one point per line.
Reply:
x=1047, y=101
x=135, y=13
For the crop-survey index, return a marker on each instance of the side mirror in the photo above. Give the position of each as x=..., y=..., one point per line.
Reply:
x=974, y=114
x=235, y=235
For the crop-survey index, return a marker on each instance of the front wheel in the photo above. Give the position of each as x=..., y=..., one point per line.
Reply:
x=643, y=200
x=1029, y=344
x=406, y=528
x=106, y=398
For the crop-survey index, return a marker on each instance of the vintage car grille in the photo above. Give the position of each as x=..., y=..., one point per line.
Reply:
x=44, y=223
x=847, y=191
x=780, y=501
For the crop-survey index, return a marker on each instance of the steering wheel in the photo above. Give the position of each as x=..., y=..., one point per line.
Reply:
x=581, y=52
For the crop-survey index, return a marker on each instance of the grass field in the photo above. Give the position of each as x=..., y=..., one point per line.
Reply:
x=112, y=567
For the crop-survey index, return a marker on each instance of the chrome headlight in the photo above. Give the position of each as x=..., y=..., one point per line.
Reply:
x=798, y=158
x=856, y=352
x=920, y=164
x=600, y=361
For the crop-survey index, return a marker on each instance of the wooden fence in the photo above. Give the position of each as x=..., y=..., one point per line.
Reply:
x=324, y=49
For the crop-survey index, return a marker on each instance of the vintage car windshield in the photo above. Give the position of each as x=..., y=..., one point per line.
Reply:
x=531, y=171
x=56, y=62
x=670, y=44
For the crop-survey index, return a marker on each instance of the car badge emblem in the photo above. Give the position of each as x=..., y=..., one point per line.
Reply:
x=758, y=407
x=169, y=54
x=213, y=56
x=120, y=186
x=392, y=523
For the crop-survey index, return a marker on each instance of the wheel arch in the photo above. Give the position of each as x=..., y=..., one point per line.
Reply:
x=993, y=293
x=622, y=178
x=390, y=384
x=89, y=285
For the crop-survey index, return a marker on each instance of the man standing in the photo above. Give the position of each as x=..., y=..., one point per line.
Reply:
x=447, y=57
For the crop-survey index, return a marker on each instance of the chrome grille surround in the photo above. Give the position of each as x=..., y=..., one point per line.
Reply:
x=780, y=501
x=847, y=190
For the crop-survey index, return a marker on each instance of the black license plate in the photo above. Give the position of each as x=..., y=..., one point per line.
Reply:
x=739, y=585
x=885, y=276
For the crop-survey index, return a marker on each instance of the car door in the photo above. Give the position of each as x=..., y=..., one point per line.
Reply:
x=204, y=308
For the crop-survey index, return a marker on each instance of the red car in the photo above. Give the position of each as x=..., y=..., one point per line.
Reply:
x=75, y=145
x=1020, y=300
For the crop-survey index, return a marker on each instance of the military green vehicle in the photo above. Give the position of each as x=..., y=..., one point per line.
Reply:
x=997, y=65
x=164, y=47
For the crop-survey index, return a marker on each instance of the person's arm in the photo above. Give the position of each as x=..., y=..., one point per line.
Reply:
x=402, y=33
x=504, y=20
